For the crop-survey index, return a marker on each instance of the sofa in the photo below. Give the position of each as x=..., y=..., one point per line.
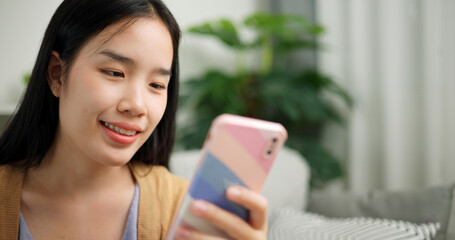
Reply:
x=295, y=212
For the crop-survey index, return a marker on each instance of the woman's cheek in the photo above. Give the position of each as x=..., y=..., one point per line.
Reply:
x=103, y=92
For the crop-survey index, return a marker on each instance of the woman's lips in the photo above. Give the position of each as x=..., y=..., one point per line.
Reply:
x=122, y=133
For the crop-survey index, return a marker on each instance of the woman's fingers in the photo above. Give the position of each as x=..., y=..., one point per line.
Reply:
x=256, y=203
x=232, y=224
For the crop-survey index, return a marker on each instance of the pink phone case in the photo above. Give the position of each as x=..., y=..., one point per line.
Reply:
x=237, y=151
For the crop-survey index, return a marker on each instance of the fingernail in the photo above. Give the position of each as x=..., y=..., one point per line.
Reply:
x=234, y=192
x=182, y=233
x=199, y=207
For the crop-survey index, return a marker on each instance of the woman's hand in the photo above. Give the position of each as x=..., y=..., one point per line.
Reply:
x=234, y=226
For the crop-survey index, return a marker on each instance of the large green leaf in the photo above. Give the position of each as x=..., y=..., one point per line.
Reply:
x=284, y=27
x=223, y=29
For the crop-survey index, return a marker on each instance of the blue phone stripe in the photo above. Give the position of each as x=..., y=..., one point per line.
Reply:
x=210, y=184
x=204, y=190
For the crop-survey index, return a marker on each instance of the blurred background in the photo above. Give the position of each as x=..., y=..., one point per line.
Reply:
x=365, y=87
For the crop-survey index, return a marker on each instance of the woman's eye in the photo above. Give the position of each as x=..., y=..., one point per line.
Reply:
x=157, y=86
x=113, y=73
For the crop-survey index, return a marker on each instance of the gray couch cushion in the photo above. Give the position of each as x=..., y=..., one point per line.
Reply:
x=290, y=224
x=419, y=206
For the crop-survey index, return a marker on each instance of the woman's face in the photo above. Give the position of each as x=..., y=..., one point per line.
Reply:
x=115, y=92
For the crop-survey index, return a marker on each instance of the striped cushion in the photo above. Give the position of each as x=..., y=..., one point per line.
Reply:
x=293, y=224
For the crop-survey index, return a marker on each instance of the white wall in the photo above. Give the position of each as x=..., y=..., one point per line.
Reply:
x=22, y=26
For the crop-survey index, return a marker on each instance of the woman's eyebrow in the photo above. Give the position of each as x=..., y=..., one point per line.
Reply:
x=163, y=71
x=130, y=61
x=117, y=57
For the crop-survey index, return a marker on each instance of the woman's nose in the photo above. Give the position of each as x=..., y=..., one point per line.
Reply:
x=132, y=101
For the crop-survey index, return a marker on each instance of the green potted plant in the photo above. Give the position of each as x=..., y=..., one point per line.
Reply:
x=296, y=98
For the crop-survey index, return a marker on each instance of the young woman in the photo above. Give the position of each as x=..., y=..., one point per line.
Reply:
x=86, y=154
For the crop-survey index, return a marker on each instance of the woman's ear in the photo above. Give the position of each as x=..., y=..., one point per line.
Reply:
x=55, y=73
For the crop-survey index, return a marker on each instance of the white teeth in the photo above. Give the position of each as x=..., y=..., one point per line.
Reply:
x=120, y=130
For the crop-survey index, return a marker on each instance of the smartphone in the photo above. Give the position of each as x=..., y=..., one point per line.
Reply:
x=237, y=151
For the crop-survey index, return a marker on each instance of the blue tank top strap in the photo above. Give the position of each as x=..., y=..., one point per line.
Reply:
x=24, y=233
x=130, y=232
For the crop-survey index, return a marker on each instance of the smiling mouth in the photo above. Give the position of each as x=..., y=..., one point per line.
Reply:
x=119, y=130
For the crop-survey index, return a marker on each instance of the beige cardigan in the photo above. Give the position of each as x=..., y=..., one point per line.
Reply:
x=160, y=196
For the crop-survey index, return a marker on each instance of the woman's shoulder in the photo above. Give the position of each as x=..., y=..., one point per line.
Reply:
x=11, y=171
x=11, y=178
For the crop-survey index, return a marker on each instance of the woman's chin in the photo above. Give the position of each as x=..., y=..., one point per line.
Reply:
x=118, y=162
x=115, y=161
x=114, y=157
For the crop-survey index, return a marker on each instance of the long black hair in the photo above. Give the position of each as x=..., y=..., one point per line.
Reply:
x=31, y=130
